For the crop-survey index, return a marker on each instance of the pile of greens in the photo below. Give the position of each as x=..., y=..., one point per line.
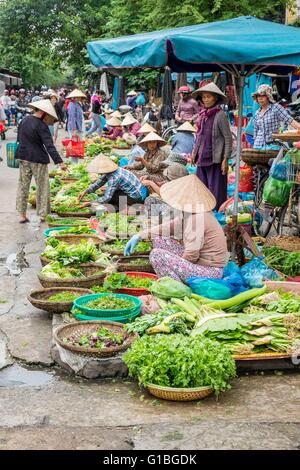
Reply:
x=180, y=361
x=118, y=224
x=99, y=290
x=118, y=246
x=120, y=280
x=66, y=221
x=83, y=252
x=63, y=297
x=110, y=302
x=102, y=338
x=286, y=262
x=78, y=230
x=56, y=270
x=94, y=149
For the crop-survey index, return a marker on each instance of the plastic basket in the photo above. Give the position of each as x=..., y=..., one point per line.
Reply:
x=58, y=229
x=122, y=319
x=136, y=291
x=80, y=304
x=74, y=147
x=112, y=314
x=11, y=149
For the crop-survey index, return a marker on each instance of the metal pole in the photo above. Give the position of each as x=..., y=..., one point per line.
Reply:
x=241, y=81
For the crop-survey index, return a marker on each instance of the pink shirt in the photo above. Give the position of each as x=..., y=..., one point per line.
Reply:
x=188, y=110
x=134, y=128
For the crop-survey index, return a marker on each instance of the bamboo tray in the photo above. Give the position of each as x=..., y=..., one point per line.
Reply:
x=285, y=137
x=261, y=356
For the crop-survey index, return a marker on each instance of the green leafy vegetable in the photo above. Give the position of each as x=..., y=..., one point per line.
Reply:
x=180, y=361
x=110, y=302
x=83, y=252
x=283, y=261
x=102, y=338
x=63, y=297
x=56, y=270
x=118, y=246
x=119, y=280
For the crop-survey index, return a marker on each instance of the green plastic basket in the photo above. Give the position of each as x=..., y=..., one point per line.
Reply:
x=11, y=149
x=123, y=319
x=80, y=304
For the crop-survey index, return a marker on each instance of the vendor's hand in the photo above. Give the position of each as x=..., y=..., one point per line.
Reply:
x=224, y=167
x=139, y=159
x=130, y=246
x=81, y=196
x=85, y=204
x=146, y=182
x=193, y=158
x=63, y=166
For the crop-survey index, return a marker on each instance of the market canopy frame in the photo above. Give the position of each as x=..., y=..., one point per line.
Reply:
x=241, y=46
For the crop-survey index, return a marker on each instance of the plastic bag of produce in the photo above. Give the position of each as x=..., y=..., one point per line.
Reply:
x=276, y=192
x=246, y=179
x=211, y=288
x=279, y=170
x=255, y=271
x=167, y=288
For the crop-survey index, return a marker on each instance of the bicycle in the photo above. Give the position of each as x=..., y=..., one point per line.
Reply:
x=267, y=216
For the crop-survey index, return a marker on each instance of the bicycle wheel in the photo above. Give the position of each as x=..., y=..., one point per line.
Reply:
x=169, y=132
x=258, y=196
x=289, y=219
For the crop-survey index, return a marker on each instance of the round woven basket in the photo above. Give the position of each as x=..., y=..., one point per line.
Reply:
x=38, y=298
x=286, y=243
x=79, y=329
x=56, y=224
x=69, y=180
x=179, y=394
x=258, y=157
x=90, y=279
x=44, y=260
x=124, y=264
x=86, y=215
x=75, y=239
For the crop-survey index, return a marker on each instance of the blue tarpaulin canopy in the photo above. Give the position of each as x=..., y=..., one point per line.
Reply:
x=241, y=46
x=205, y=47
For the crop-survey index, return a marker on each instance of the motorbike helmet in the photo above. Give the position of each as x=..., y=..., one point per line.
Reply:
x=184, y=89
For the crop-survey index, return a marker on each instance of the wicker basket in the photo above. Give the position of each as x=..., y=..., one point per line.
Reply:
x=44, y=260
x=86, y=215
x=54, y=224
x=90, y=279
x=179, y=394
x=258, y=157
x=38, y=298
x=75, y=239
x=69, y=180
x=291, y=244
x=124, y=265
x=79, y=329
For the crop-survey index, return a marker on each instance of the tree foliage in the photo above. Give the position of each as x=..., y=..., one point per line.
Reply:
x=45, y=40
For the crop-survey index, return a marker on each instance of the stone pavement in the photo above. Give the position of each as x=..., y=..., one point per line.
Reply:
x=44, y=408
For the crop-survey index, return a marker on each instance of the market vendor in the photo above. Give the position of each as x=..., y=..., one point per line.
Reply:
x=269, y=118
x=150, y=164
x=117, y=181
x=154, y=206
x=183, y=141
x=131, y=125
x=116, y=130
x=35, y=147
x=203, y=251
x=137, y=150
x=213, y=144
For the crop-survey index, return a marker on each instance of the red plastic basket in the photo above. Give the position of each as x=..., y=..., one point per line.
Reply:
x=138, y=291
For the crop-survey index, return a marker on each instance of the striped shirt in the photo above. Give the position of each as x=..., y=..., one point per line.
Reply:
x=269, y=123
x=122, y=180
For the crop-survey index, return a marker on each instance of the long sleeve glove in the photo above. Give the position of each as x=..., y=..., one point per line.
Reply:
x=130, y=246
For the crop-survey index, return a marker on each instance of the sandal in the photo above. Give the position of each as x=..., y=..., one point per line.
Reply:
x=23, y=221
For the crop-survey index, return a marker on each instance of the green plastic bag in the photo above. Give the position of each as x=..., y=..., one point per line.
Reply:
x=277, y=192
x=168, y=288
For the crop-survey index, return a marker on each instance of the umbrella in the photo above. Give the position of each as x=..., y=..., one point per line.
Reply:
x=241, y=46
x=166, y=112
x=104, y=85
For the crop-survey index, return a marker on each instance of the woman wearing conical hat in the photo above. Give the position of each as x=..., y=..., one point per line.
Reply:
x=213, y=144
x=150, y=165
x=203, y=251
x=115, y=129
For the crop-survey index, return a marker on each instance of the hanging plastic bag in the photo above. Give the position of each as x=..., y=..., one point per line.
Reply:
x=74, y=147
x=276, y=192
x=256, y=271
x=246, y=179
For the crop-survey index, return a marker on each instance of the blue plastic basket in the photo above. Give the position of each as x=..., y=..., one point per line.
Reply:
x=11, y=150
x=80, y=304
x=58, y=229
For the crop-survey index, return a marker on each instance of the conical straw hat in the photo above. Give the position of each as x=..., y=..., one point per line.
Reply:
x=211, y=88
x=46, y=106
x=116, y=114
x=113, y=122
x=187, y=127
x=102, y=164
x=128, y=120
x=188, y=194
x=132, y=93
x=152, y=137
x=76, y=94
x=146, y=129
